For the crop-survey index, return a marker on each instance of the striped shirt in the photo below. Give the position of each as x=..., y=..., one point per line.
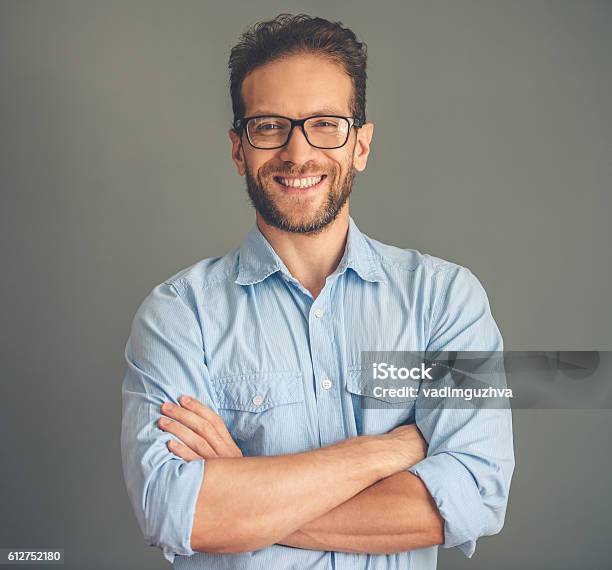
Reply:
x=243, y=336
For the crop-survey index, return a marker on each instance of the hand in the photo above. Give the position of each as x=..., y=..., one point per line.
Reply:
x=202, y=432
x=413, y=444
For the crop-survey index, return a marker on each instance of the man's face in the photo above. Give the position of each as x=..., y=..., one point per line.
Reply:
x=299, y=86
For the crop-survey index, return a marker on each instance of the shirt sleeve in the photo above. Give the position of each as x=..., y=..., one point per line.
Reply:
x=165, y=360
x=470, y=458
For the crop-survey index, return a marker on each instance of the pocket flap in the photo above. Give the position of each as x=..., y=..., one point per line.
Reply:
x=357, y=382
x=260, y=391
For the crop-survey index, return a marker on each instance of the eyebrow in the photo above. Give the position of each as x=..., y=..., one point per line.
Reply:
x=320, y=111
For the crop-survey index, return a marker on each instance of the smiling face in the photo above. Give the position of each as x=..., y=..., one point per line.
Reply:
x=299, y=188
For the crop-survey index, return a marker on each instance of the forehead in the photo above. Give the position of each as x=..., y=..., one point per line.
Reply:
x=298, y=86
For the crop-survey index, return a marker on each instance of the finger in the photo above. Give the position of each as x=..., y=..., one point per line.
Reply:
x=192, y=440
x=214, y=419
x=229, y=445
x=206, y=413
x=182, y=450
x=195, y=423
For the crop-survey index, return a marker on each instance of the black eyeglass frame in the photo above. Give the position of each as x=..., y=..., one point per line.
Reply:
x=241, y=124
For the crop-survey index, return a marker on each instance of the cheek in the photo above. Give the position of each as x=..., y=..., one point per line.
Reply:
x=337, y=166
x=263, y=167
x=343, y=170
x=257, y=163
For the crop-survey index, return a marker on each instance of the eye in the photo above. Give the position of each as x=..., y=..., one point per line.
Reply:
x=268, y=127
x=325, y=123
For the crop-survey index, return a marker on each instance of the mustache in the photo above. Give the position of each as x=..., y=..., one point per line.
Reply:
x=312, y=170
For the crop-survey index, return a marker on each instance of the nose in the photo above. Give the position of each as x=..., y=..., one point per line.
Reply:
x=297, y=150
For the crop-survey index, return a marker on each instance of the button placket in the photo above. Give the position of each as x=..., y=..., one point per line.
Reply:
x=328, y=402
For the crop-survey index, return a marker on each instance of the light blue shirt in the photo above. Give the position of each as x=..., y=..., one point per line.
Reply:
x=282, y=369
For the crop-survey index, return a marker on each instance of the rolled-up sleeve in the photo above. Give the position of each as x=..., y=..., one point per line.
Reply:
x=470, y=458
x=165, y=359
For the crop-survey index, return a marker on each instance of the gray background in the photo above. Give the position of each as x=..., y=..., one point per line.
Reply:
x=492, y=149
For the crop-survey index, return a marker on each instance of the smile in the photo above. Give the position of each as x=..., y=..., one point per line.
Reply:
x=306, y=182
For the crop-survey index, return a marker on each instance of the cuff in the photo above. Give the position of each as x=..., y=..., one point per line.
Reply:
x=173, y=502
x=456, y=495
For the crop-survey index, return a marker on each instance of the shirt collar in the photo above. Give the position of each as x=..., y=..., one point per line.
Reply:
x=257, y=259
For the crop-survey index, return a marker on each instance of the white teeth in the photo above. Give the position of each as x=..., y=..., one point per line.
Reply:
x=300, y=182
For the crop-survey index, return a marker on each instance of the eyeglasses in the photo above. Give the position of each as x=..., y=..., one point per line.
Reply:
x=273, y=131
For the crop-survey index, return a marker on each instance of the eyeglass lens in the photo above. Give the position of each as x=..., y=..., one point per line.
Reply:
x=325, y=132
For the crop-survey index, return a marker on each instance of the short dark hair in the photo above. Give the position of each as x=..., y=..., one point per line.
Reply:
x=288, y=35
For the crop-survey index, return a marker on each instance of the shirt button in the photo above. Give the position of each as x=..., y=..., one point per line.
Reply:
x=326, y=384
x=258, y=400
x=318, y=313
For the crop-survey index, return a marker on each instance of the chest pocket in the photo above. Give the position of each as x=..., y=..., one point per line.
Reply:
x=264, y=412
x=379, y=414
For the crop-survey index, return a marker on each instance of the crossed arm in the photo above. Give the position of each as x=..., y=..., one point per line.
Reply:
x=365, y=494
x=354, y=496
x=394, y=515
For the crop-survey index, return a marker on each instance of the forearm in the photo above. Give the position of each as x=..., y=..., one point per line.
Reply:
x=251, y=502
x=396, y=514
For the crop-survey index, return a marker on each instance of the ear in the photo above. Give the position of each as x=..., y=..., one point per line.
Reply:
x=362, y=146
x=237, y=152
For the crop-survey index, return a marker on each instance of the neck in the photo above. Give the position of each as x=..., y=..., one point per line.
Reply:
x=310, y=258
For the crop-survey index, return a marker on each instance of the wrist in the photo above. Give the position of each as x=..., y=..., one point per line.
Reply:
x=384, y=453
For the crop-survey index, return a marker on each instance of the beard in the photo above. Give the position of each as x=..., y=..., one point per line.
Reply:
x=262, y=199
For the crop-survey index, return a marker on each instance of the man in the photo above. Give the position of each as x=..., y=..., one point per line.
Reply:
x=246, y=440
